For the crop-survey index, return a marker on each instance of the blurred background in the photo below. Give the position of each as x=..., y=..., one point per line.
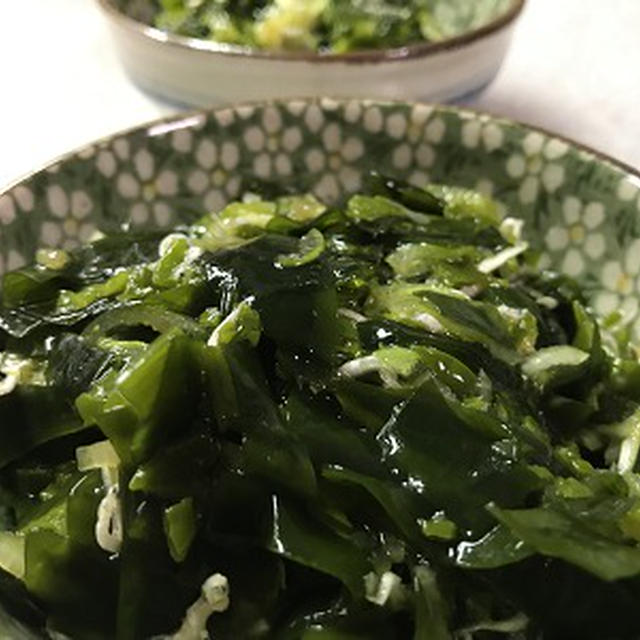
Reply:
x=572, y=68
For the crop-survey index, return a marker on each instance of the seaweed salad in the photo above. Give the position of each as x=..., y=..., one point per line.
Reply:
x=294, y=421
x=334, y=26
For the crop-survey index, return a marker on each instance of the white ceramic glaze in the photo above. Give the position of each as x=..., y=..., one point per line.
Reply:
x=201, y=73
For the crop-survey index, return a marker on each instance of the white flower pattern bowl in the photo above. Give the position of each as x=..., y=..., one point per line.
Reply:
x=201, y=72
x=582, y=210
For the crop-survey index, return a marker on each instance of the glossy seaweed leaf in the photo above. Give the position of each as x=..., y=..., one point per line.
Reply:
x=567, y=533
x=347, y=622
x=388, y=223
x=432, y=614
x=498, y=548
x=403, y=368
x=298, y=306
x=86, y=265
x=178, y=470
x=410, y=196
x=378, y=332
x=20, y=616
x=280, y=461
x=416, y=442
x=151, y=398
x=31, y=416
x=297, y=536
x=421, y=306
x=24, y=321
x=58, y=551
x=156, y=317
x=150, y=601
x=331, y=439
x=74, y=364
x=518, y=296
x=368, y=404
x=453, y=266
x=561, y=599
x=401, y=506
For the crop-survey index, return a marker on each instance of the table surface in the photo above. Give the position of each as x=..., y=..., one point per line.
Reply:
x=572, y=69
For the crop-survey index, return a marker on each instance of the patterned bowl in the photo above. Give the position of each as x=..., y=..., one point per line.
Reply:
x=201, y=72
x=581, y=210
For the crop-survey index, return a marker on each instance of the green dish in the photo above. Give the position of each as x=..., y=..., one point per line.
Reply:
x=473, y=38
x=329, y=148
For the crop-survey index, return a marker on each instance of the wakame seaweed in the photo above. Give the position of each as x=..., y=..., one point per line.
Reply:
x=335, y=26
x=289, y=421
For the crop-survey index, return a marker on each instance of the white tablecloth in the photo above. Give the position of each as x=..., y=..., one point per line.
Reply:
x=573, y=68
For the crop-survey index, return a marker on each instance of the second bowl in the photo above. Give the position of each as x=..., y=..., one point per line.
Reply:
x=202, y=72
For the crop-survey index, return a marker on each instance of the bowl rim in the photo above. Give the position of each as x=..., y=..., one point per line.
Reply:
x=369, y=56
x=187, y=117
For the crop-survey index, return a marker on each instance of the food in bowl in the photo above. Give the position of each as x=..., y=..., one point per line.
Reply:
x=225, y=52
x=290, y=420
x=336, y=26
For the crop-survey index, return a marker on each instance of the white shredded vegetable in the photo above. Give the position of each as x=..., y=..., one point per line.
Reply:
x=380, y=590
x=369, y=364
x=518, y=623
x=430, y=323
x=109, y=522
x=548, y=302
x=109, y=527
x=360, y=367
x=352, y=315
x=488, y=265
x=214, y=598
x=7, y=385
x=511, y=229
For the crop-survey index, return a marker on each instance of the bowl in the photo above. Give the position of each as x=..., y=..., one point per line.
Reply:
x=202, y=72
x=581, y=209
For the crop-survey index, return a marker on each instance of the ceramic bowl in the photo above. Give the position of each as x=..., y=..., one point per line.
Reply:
x=201, y=72
x=582, y=210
